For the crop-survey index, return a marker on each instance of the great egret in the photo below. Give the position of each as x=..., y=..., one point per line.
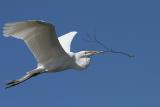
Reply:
x=51, y=53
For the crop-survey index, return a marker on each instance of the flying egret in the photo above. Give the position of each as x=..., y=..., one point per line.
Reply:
x=51, y=53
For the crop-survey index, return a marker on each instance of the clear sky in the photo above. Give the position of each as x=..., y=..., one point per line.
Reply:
x=111, y=80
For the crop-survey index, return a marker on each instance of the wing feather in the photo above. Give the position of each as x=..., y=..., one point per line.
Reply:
x=66, y=40
x=39, y=36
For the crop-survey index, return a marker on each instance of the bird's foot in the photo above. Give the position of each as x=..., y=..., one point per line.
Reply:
x=12, y=83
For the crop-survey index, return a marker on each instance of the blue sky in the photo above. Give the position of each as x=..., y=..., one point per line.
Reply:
x=111, y=80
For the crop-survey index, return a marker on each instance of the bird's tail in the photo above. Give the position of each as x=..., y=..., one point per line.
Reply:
x=28, y=75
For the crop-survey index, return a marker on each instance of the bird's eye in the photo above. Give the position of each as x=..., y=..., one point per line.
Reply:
x=85, y=53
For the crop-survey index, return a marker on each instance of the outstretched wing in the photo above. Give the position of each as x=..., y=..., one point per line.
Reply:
x=39, y=36
x=66, y=40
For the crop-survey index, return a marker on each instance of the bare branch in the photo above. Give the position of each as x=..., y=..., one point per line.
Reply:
x=107, y=50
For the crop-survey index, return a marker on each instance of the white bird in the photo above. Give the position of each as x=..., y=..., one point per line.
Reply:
x=51, y=53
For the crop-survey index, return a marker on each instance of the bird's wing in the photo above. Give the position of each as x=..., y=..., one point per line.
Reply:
x=66, y=40
x=39, y=36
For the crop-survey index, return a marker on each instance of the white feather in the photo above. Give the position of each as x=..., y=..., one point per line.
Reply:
x=66, y=40
x=40, y=37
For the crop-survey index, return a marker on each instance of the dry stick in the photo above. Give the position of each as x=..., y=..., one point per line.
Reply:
x=95, y=40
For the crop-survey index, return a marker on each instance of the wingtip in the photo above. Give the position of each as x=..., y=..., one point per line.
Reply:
x=75, y=32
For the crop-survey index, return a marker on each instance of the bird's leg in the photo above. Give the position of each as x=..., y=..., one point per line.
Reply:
x=24, y=78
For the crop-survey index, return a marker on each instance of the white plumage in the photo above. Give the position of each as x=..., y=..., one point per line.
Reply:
x=52, y=54
x=66, y=40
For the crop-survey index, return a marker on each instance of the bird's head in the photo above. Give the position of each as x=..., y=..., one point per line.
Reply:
x=82, y=58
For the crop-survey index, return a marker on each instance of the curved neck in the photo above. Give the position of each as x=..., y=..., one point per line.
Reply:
x=80, y=62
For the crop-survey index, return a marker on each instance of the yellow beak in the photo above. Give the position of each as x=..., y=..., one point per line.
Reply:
x=93, y=52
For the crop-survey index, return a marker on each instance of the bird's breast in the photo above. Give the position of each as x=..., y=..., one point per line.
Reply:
x=82, y=63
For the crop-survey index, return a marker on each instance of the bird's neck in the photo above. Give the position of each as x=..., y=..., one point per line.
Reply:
x=81, y=62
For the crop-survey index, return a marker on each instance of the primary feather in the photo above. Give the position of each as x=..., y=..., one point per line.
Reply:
x=40, y=37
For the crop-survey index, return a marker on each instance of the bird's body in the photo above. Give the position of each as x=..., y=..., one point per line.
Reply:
x=51, y=53
x=74, y=62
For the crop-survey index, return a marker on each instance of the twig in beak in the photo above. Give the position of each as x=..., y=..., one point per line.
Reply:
x=118, y=52
x=107, y=50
